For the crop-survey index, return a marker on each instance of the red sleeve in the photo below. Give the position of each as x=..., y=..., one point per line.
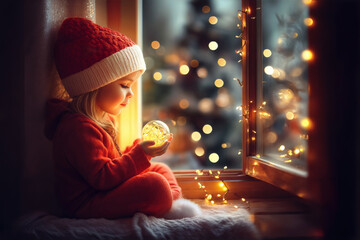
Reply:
x=128, y=148
x=88, y=154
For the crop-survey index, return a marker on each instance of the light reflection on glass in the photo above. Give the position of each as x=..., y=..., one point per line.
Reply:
x=285, y=83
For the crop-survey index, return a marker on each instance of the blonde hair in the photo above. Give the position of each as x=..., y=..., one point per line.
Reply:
x=86, y=105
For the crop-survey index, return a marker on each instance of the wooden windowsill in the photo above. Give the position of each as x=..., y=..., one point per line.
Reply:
x=239, y=185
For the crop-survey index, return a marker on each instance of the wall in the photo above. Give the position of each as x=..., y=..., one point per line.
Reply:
x=42, y=20
x=29, y=78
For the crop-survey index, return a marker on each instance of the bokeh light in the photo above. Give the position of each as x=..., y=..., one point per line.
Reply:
x=221, y=62
x=155, y=44
x=214, y=157
x=184, y=69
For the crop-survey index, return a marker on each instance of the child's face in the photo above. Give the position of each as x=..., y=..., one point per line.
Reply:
x=113, y=97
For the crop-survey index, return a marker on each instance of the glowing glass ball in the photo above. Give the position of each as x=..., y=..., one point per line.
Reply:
x=156, y=131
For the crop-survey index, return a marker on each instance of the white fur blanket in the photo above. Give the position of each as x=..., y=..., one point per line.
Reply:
x=214, y=223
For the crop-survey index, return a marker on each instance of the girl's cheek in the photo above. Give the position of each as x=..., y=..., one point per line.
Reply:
x=117, y=95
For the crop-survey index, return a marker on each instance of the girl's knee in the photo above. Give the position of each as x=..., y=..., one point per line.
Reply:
x=157, y=193
x=156, y=184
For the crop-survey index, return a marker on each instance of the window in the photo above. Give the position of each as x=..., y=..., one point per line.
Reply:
x=189, y=48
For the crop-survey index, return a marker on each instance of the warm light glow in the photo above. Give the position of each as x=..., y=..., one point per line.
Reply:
x=226, y=145
x=156, y=131
x=282, y=74
x=196, y=136
x=184, y=103
x=223, y=99
x=276, y=73
x=295, y=35
x=214, y=157
x=199, y=151
x=281, y=148
x=155, y=44
x=207, y=129
x=172, y=59
x=221, y=62
x=206, y=105
x=219, y=83
x=194, y=63
x=213, y=20
x=157, y=76
x=290, y=115
x=221, y=184
x=305, y=123
x=170, y=78
x=286, y=95
x=308, y=22
x=184, y=69
x=213, y=45
x=205, y=9
x=181, y=121
x=296, y=72
x=202, y=72
x=307, y=55
x=264, y=115
x=271, y=137
x=297, y=151
x=307, y=2
x=269, y=70
x=267, y=53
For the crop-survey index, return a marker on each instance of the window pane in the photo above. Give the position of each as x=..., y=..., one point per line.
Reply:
x=189, y=49
x=283, y=103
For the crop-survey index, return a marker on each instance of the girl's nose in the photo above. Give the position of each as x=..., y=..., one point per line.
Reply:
x=130, y=93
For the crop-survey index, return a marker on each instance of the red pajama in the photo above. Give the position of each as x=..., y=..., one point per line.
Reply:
x=94, y=180
x=150, y=192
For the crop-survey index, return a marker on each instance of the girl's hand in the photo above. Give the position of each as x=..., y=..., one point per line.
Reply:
x=155, y=151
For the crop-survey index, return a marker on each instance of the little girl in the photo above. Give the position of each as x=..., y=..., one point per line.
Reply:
x=98, y=67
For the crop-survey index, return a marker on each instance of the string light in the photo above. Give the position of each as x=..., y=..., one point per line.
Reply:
x=224, y=189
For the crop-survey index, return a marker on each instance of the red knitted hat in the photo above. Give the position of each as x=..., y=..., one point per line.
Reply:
x=89, y=56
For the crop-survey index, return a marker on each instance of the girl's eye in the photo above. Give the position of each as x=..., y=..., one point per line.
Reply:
x=124, y=86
